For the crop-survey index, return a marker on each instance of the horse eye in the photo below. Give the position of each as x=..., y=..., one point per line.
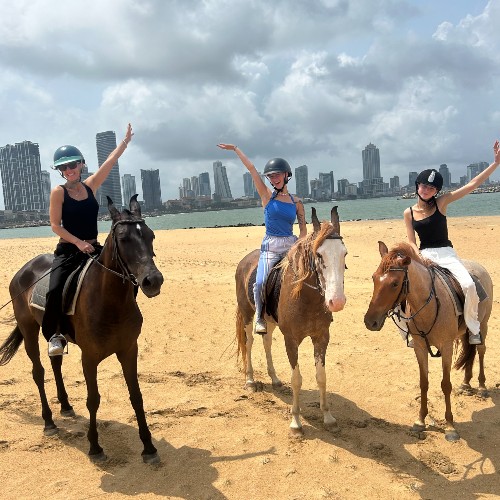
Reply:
x=395, y=284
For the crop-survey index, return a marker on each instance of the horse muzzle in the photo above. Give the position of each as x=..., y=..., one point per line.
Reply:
x=336, y=304
x=374, y=322
x=151, y=283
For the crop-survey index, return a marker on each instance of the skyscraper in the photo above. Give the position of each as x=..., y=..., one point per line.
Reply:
x=22, y=177
x=106, y=143
x=129, y=187
x=204, y=181
x=222, y=189
x=151, y=189
x=445, y=172
x=372, y=183
x=327, y=185
x=195, y=185
x=249, y=186
x=46, y=187
x=302, y=181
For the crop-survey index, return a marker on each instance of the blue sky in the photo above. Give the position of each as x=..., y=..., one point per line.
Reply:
x=311, y=81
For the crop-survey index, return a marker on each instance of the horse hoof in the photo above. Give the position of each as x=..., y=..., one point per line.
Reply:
x=251, y=386
x=68, y=413
x=98, y=457
x=151, y=459
x=452, y=436
x=296, y=433
x=417, y=428
x=278, y=384
x=483, y=393
x=50, y=430
x=332, y=428
x=465, y=390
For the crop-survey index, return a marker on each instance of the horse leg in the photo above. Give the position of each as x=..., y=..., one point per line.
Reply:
x=423, y=361
x=267, y=341
x=481, y=390
x=320, y=347
x=250, y=381
x=292, y=350
x=128, y=360
x=62, y=395
x=89, y=365
x=38, y=373
x=450, y=432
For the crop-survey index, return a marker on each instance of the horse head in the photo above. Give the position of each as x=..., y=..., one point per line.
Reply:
x=390, y=284
x=329, y=255
x=133, y=246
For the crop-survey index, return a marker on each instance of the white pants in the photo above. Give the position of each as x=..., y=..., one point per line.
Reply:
x=448, y=258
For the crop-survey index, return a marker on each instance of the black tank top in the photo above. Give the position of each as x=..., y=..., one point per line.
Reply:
x=79, y=217
x=432, y=231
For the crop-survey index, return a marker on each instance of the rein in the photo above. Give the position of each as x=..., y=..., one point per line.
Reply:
x=125, y=274
x=405, y=290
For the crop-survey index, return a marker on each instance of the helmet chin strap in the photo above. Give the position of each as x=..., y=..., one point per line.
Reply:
x=285, y=182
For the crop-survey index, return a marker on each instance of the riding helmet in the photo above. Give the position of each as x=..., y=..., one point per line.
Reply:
x=431, y=177
x=67, y=154
x=277, y=165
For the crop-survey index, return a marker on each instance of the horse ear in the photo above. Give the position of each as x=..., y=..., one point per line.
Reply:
x=382, y=248
x=315, y=220
x=135, y=207
x=334, y=217
x=115, y=214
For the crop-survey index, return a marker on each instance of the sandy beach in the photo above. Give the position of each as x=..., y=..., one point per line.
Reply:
x=217, y=440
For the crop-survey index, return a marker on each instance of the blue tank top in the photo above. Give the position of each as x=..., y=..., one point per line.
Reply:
x=279, y=217
x=80, y=217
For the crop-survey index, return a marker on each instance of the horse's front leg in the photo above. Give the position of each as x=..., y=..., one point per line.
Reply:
x=250, y=381
x=267, y=339
x=62, y=395
x=128, y=360
x=320, y=347
x=450, y=432
x=423, y=361
x=93, y=400
x=292, y=350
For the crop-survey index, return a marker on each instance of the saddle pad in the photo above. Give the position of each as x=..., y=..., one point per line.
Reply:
x=270, y=291
x=73, y=283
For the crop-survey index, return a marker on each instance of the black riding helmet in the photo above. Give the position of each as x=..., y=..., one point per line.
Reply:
x=67, y=154
x=278, y=165
x=431, y=177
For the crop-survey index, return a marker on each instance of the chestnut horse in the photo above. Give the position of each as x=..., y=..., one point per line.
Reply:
x=404, y=275
x=312, y=287
x=106, y=320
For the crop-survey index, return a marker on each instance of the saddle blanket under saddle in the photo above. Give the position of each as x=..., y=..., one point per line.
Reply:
x=70, y=293
x=451, y=284
x=271, y=290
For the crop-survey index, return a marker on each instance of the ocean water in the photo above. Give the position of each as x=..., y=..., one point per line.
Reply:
x=372, y=209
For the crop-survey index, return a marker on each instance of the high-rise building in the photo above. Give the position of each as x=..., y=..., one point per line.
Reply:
x=249, y=186
x=342, y=186
x=412, y=178
x=22, y=177
x=46, y=186
x=302, y=181
x=195, y=186
x=445, y=172
x=129, y=187
x=475, y=169
x=151, y=190
x=327, y=185
x=106, y=143
x=222, y=189
x=204, y=181
x=394, y=182
x=372, y=183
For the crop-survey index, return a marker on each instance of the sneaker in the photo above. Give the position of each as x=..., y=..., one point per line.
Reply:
x=475, y=339
x=410, y=341
x=260, y=326
x=56, y=345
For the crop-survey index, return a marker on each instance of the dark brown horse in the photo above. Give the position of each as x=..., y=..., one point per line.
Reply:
x=106, y=320
x=312, y=287
x=403, y=276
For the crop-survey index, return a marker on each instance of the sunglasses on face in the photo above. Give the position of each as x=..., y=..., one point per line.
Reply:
x=71, y=166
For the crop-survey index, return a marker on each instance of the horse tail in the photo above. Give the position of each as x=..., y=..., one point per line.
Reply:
x=10, y=346
x=241, y=338
x=465, y=353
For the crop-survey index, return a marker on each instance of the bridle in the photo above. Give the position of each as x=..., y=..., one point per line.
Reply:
x=403, y=293
x=125, y=274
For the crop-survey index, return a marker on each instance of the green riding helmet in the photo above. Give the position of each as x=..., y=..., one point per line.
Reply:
x=67, y=154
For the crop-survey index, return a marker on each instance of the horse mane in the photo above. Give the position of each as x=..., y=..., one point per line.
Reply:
x=402, y=250
x=301, y=254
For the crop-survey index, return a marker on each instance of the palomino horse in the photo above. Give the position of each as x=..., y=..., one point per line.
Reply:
x=403, y=275
x=106, y=320
x=312, y=287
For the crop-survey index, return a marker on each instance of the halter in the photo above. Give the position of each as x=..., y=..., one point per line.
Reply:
x=313, y=268
x=125, y=273
x=403, y=293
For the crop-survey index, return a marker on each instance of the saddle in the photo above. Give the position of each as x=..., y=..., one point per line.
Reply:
x=70, y=292
x=270, y=291
x=455, y=290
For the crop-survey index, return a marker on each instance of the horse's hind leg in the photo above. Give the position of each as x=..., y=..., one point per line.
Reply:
x=450, y=432
x=38, y=373
x=267, y=339
x=128, y=360
x=62, y=395
x=319, y=359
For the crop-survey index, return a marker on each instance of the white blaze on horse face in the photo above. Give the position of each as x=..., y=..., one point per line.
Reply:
x=331, y=268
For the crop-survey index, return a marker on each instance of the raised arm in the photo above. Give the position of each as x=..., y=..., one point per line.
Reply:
x=96, y=179
x=474, y=183
x=264, y=192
